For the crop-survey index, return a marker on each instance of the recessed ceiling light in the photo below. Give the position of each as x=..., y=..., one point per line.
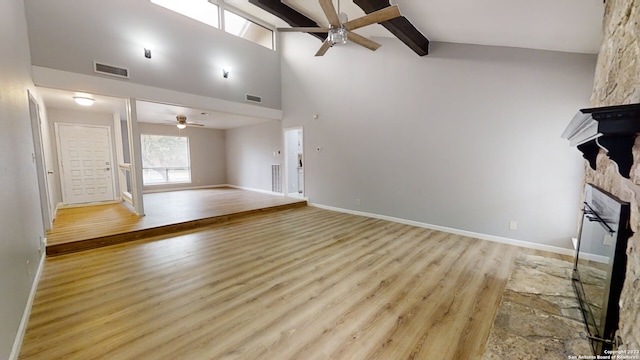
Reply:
x=83, y=100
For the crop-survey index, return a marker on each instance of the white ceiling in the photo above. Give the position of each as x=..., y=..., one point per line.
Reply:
x=148, y=112
x=63, y=99
x=558, y=25
x=151, y=112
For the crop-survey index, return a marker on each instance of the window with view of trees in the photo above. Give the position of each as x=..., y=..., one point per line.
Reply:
x=165, y=159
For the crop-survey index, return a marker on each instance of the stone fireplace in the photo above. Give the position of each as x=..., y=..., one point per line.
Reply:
x=617, y=82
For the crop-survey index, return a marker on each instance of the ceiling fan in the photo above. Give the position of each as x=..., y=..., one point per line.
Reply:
x=183, y=123
x=341, y=29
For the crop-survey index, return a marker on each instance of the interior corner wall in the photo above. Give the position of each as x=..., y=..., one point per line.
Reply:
x=250, y=154
x=20, y=215
x=467, y=137
x=207, y=151
x=617, y=82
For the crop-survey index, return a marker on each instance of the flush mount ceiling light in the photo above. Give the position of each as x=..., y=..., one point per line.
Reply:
x=83, y=100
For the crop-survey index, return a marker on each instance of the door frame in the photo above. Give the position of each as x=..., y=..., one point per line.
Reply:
x=114, y=195
x=287, y=166
x=39, y=159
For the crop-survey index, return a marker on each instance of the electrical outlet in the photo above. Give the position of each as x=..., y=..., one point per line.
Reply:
x=513, y=225
x=28, y=268
x=358, y=202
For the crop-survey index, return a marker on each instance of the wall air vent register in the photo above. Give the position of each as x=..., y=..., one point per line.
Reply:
x=111, y=70
x=253, y=98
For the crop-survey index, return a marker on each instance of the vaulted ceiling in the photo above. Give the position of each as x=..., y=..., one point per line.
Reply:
x=401, y=27
x=556, y=25
x=559, y=25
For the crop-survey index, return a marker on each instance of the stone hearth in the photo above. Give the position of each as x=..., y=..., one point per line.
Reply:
x=539, y=316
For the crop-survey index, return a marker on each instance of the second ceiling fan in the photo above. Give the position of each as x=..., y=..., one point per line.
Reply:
x=341, y=29
x=183, y=123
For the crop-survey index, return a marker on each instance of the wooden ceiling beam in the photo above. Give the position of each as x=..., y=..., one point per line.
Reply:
x=289, y=15
x=401, y=27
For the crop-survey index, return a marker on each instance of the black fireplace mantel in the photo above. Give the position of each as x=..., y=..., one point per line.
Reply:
x=611, y=128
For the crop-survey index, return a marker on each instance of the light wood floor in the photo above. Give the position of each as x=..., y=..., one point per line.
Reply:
x=164, y=212
x=302, y=283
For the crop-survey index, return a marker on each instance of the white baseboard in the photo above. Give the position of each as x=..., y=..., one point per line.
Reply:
x=108, y=202
x=255, y=190
x=55, y=211
x=150, y=191
x=17, y=343
x=164, y=189
x=499, y=239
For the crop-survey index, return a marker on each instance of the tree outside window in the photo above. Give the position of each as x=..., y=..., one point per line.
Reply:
x=165, y=159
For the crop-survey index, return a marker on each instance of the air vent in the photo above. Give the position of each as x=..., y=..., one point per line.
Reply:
x=253, y=98
x=111, y=70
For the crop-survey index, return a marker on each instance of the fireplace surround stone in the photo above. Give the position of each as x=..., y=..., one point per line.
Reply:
x=617, y=82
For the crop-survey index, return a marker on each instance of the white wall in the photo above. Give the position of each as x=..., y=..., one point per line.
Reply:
x=187, y=56
x=84, y=117
x=20, y=216
x=467, y=137
x=207, y=150
x=249, y=154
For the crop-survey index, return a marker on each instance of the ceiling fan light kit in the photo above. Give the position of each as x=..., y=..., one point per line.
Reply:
x=337, y=36
x=183, y=123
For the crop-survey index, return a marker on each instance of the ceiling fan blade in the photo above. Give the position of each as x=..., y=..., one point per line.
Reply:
x=363, y=41
x=194, y=124
x=323, y=49
x=330, y=12
x=382, y=15
x=304, y=29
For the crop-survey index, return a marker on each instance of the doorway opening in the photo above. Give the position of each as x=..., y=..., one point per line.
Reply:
x=294, y=162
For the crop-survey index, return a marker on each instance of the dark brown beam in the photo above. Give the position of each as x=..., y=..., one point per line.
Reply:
x=400, y=27
x=289, y=15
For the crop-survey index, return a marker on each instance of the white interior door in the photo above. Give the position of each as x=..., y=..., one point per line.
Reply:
x=85, y=156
